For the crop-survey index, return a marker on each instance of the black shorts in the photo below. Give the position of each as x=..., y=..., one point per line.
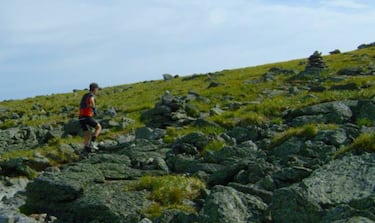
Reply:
x=86, y=122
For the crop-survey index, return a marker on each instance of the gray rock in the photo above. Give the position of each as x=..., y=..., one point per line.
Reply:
x=227, y=205
x=227, y=173
x=167, y=77
x=109, y=158
x=343, y=187
x=216, y=111
x=189, y=165
x=256, y=170
x=7, y=217
x=196, y=139
x=149, y=133
x=289, y=175
x=169, y=111
x=80, y=193
x=73, y=128
x=230, y=153
x=109, y=123
x=343, y=181
x=293, y=145
x=110, y=112
x=10, y=186
x=145, y=220
x=67, y=185
x=329, y=112
x=242, y=134
x=252, y=189
x=355, y=220
x=108, y=203
x=205, y=123
x=351, y=71
x=335, y=137
x=291, y=204
x=192, y=110
x=176, y=216
x=17, y=167
x=345, y=87
x=365, y=110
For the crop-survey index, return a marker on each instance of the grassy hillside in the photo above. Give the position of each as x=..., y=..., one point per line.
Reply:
x=261, y=101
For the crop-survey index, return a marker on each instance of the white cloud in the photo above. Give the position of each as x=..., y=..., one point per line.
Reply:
x=349, y=4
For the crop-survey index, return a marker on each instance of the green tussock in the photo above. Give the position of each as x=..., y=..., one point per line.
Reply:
x=363, y=143
x=308, y=131
x=169, y=192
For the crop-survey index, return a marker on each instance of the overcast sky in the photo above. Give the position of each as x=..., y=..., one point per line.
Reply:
x=55, y=46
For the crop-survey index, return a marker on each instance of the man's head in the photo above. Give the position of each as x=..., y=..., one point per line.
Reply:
x=94, y=87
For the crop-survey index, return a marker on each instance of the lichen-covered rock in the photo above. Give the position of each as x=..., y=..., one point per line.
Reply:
x=82, y=193
x=227, y=205
x=328, y=112
x=345, y=185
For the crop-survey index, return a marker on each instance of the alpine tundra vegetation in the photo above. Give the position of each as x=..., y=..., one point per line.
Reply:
x=283, y=142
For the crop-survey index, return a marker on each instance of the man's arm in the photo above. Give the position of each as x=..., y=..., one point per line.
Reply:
x=92, y=102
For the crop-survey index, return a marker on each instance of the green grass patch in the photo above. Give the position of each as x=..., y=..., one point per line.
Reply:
x=176, y=132
x=364, y=122
x=213, y=146
x=363, y=143
x=307, y=131
x=169, y=192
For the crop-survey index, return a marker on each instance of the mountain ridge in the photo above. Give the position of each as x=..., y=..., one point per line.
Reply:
x=279, y=142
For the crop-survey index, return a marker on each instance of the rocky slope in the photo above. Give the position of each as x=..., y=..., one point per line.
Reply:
x=301, y=177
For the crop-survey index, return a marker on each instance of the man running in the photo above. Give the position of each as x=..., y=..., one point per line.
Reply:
x=86, y=113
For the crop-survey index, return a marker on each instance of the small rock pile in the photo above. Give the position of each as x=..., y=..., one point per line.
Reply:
x=169, y=111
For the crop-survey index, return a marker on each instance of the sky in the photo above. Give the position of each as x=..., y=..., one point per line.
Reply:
x=56, y=46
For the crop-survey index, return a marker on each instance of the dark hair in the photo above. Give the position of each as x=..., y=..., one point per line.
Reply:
x=93, y=86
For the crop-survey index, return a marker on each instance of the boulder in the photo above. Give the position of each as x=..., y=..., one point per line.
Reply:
x=191, y=143
x=291, y=205
x=17, y=167
x=351, y=71
x=81, y=192
x=72, y=127
x=176, y=216
x=338, y=191
x=167, y=77
x=149, y=133
x=346, y=87
x=229, y=154
x=189, y=165
x=110, y=112
x=242, y=134
x=365, y=109
x=227, y=174
x=328, y=112
x=227, y=205
x=336, y=137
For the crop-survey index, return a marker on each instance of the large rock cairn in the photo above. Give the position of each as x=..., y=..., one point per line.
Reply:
x=315, y=65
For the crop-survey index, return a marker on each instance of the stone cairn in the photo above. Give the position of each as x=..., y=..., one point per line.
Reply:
x=316, y=61
x=315, y=65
